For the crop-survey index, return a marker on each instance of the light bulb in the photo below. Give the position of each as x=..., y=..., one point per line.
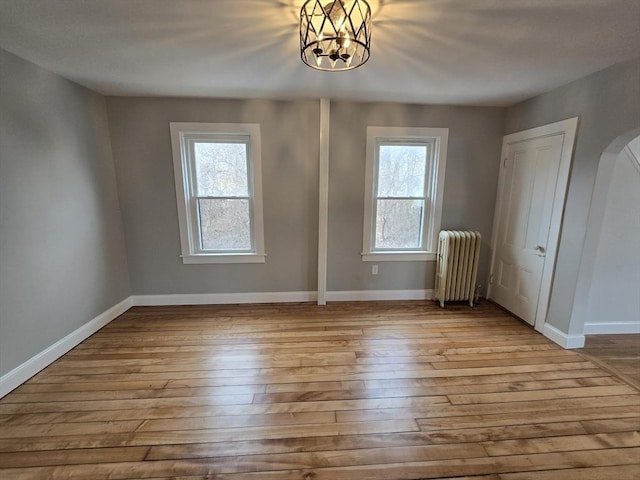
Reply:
x=336, y=11
x=343, y=41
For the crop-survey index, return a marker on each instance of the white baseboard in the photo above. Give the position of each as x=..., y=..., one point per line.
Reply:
x=223, y=298
x=278, y=297
x=372, y=295
x=28, y=369
x=561, y=338
x=611, y=328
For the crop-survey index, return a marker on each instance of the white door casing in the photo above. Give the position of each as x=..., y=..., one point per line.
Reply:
x=527, y=222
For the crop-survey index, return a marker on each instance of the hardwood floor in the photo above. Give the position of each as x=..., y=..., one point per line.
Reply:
x=619, y=354
x=388, y=391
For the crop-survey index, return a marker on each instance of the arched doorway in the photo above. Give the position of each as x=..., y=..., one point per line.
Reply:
x=608, y=292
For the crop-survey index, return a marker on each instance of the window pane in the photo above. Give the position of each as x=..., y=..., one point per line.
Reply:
x=401, y=170
x=225, y=224
x=398, y=224
x=221, y=169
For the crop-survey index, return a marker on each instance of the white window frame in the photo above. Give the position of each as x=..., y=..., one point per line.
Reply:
x=183, y=134
x=438, y=139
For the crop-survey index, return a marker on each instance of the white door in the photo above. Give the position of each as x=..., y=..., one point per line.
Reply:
x=527, y=193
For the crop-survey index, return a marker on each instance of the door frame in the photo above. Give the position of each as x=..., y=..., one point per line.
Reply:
x=568, y=128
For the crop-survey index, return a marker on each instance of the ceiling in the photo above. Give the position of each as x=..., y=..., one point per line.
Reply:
x=461, y=52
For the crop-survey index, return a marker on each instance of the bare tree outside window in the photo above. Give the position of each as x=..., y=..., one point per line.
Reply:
x=225, y=224
x=222, y=196
x=401, y=196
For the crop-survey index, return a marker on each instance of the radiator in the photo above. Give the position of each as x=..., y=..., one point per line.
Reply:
x=457, y=266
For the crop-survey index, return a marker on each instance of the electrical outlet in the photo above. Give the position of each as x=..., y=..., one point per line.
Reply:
x=374, y=269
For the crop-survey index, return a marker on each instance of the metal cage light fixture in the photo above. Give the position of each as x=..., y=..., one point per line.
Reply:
x=335, y=36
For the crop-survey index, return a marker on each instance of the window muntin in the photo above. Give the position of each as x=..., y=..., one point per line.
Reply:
x=405, y=176
x=219, y=200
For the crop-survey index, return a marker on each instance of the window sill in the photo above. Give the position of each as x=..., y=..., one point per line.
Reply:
x=224, y=258
x=399, y=257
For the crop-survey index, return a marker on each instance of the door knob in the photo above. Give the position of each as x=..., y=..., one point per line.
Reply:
x=541, y=249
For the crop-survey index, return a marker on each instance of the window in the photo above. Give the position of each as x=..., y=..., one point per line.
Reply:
x=218, y=186
x=403, y=192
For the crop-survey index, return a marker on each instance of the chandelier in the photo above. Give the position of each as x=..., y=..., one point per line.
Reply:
x=335, y=36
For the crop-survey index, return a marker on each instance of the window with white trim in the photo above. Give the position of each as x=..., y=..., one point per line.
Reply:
x=403, y=192
x=219, y=192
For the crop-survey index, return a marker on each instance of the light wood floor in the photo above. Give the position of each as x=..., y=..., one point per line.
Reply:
x=619, y=354
x=381, y=391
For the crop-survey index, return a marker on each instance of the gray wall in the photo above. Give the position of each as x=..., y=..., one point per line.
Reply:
x=290, y=149
x=608, y=104
x=144, y=168
x=473, y=160
x=62, y=253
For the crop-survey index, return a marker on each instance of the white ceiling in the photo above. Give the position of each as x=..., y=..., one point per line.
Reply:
x=465, y=52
